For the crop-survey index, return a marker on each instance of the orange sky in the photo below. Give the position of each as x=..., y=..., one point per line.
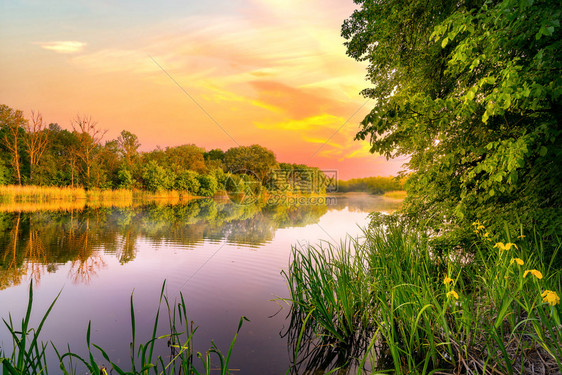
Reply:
x=268, y=72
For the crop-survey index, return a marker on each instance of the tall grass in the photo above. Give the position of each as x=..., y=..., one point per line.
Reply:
x=29, y=193
x=396, y=194
x=29, y=354
x=477, y=312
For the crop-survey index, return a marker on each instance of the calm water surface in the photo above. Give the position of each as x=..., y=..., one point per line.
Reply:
x=226, y=259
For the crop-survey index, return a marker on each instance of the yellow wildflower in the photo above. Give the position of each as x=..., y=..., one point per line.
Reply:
x=486, y=235
x=521, y=236
x=447, y=280
x=480, y=227
x=516, y=260
x=535, y=273
x=550, y=297
x=453, y=294
x=504, y=247
x=500, y=245
x=476, y=223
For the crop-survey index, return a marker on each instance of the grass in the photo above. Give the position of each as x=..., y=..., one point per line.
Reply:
x=29, y=193
x=27, y=198
x=29, y=354
x=462, y=312
x=397, y=194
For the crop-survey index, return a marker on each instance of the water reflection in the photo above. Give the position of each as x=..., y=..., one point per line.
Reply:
x=35, y=242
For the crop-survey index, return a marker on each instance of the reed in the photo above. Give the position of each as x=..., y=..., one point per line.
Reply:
x=122, y=195
x=29, y=354
x=396, y=194
x=478, y=312
x=30, y=193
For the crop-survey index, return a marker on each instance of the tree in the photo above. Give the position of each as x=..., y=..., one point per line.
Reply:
x=89, y=136
x=208, y=185
x=187, y=181
x=128, y=145
x=471, y=91
x=156, y=178
x=186, y=157
x=36, y=141
x=250, y=159
x=12, y=123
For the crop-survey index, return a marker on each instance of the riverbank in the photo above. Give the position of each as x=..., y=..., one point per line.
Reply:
x=490, y=308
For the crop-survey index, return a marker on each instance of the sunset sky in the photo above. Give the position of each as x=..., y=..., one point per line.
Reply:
x=268, y=72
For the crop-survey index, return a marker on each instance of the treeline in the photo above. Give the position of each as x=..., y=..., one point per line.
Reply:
x=372, y=185
x=35, y=153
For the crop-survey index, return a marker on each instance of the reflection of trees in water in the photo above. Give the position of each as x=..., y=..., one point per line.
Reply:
x=34, y=242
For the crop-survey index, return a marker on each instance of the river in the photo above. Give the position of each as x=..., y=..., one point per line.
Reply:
x=226, y=259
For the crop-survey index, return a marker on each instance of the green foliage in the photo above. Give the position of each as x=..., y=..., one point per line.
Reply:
x=255, y=159
x=125, y=179
x=208, y=185
x=187, y=181
x=373, y=185
x=424, y=312
x=156, y=178
x=78, y=159
x=5, y=175
x=471, y=91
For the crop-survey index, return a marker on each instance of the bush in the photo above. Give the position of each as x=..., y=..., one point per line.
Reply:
x=208, y=185
x=187, y=181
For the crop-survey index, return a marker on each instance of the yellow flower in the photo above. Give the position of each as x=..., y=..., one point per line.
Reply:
x=535, y=273
x=500, y=246
x=447, y=280
x=486, y=235
x=480, y=227
x=476, y=223
x=521, y=236
x=550, y=297
x=453, y=294
x=504, y=247
x=516, y=260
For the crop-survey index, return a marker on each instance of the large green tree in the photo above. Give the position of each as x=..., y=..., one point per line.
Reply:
x=253, y=159
x=471, y=92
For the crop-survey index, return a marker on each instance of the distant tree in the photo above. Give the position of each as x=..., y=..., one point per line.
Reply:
x=128, y=145
x=215, y=154
x=12, y=125
x=125, y=179
x=110, y=161
x=208, y=185
x=187, y=181
x=89, y=137
x=156, y=178
x=186, y=157
x=4, y=174
x=36, y=141
x=254, y=159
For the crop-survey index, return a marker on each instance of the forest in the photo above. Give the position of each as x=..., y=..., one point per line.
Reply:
x=35, y=153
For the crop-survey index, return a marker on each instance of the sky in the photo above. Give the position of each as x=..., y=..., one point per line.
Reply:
x=216, y=74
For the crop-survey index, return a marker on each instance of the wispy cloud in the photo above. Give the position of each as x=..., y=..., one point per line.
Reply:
x=63, y=46
x=309, y=123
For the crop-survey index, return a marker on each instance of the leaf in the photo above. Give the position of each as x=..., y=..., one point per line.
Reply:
x=444, y=42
